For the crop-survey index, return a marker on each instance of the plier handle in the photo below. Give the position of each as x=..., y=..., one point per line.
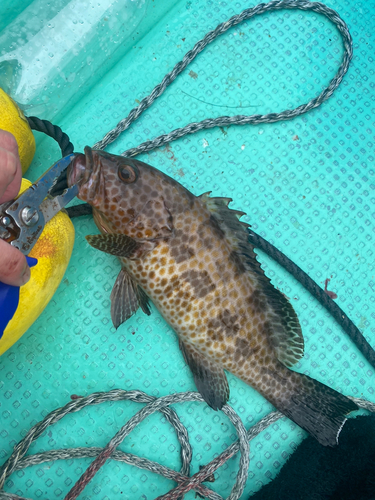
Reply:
x=23, y=219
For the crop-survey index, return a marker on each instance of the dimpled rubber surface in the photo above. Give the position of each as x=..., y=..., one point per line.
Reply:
x=307, y=186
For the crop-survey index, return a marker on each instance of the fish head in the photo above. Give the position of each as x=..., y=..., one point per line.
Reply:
x=128, y=196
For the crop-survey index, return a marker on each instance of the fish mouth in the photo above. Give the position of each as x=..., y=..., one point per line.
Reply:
x=76, y=170
x=79, y=170
x=86, y=173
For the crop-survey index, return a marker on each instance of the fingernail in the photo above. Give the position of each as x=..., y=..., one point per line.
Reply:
x=31, y=261
x=25, y=275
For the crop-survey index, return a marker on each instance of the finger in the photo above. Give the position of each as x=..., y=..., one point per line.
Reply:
x=8, y=141
x=13, y=266
x=10, y=167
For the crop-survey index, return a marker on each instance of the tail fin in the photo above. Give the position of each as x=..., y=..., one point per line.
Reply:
x=318, y=409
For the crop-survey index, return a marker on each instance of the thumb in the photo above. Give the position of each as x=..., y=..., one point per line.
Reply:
x=14, y=269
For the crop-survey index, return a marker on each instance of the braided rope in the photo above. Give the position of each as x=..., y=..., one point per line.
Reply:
x=95, y=398
x=18, y=461
x=225, y=121
x=53, y=131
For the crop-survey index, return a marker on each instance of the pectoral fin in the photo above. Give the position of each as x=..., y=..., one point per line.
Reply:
x=115, y=244
x=126, y=297
x=209, y=377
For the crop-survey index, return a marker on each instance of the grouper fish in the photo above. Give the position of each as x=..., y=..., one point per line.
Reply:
x=190, y=255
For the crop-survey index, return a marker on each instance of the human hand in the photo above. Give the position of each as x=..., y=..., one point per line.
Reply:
x=13, y=266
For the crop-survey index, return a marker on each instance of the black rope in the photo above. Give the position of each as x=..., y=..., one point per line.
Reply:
x=306, y=281
x=52, y=131
x=79, y=210
x=342, y=319
x=257, y=241
x=63, y=141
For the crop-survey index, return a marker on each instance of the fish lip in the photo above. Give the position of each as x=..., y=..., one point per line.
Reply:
x=85, y=172
x=76, y=170
x=80, y=168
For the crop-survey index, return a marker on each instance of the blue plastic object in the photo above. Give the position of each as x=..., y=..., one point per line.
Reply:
x=9, y=298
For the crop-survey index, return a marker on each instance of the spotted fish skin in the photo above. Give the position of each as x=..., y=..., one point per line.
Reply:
x=190, y=255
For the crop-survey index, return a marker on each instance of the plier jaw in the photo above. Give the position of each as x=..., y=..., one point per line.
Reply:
x=22, y=220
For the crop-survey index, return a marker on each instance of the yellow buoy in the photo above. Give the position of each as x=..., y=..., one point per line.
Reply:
x=53, y=250
x=13, y=120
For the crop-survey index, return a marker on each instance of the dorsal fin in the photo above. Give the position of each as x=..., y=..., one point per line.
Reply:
x=235, y=230
x=285, y=330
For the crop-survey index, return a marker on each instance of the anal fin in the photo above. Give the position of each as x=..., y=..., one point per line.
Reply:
x=126, y=297
x=209, y=377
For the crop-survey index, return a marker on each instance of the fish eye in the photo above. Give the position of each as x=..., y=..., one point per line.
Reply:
x=127, y=174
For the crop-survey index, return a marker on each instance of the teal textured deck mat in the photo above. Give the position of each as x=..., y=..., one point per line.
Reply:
x=307, y=185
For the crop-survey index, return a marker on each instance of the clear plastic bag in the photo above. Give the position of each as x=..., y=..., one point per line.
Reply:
x=54, y=51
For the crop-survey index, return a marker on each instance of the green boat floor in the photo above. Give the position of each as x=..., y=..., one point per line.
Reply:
x=307, y=186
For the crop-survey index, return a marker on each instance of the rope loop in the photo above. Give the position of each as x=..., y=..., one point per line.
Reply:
x=52, y=131
x=18, y=460
x=225, y=121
